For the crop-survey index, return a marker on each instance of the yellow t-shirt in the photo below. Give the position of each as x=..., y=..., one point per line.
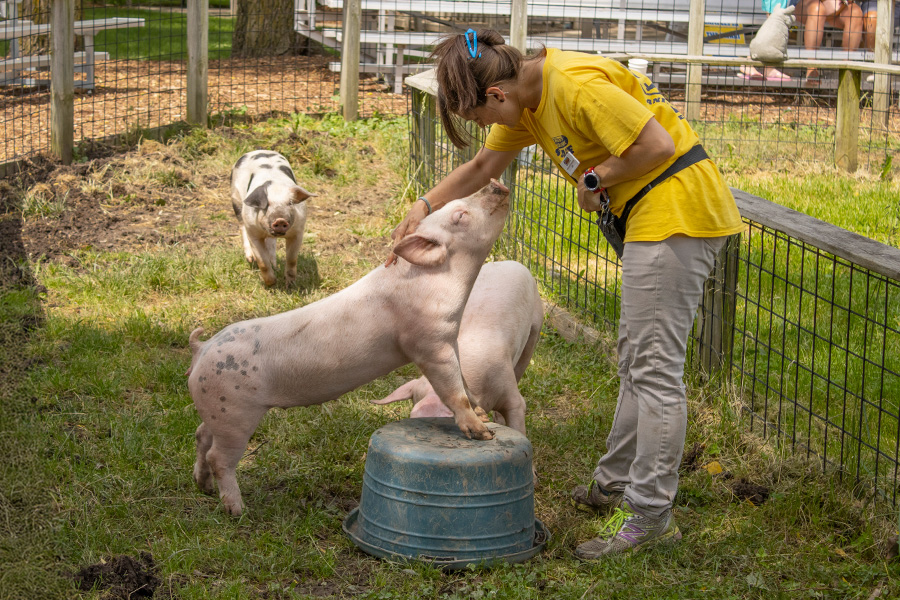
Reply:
x=593, y=107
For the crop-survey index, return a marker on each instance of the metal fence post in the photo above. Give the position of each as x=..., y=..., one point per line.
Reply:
x=62, y=83
x=718, y=309
x=846, y=149
x=198, y=60
x=350, y=59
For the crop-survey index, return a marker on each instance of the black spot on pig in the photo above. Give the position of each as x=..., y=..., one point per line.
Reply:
x=201, y=379
x=255, y=346
x=223, y=409
x=229, y=364
x=265, y=155
x=256, y=328
x=224, y=339
x=256, y=368
x=222, y=398
x=240, y=161
x=237, y=387
x=244, y=363
x=244, y=373
x=265, y=166
x=287, y=171
x=203, y=390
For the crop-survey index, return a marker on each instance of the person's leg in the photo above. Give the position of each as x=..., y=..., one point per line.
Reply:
x=613, y=468
x=851, y=21
x=813, y=15
x=662, y=283
x=870, y=21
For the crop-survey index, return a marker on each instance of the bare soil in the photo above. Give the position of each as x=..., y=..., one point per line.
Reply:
x=148, y=94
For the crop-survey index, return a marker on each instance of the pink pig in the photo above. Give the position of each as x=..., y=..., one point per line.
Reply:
x=408, y=312
x=499, y=330
x=269, y=205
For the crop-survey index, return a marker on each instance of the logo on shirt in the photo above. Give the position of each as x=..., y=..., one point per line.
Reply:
x=563, y=146
x=654, y=96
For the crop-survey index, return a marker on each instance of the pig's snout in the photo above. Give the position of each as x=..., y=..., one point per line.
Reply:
x=497, y=196
x=279, y=227
x=498, y=188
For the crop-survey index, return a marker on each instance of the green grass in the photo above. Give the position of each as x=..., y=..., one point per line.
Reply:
x=97, y=444
x=163, y=36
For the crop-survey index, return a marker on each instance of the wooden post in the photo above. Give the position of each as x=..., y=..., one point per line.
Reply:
x=846, y=149
x=62, y=83
x=883, y=38
x=198, y=61
x=717, y=316
x=518, y=24
x=350, y=59
x=696, y=30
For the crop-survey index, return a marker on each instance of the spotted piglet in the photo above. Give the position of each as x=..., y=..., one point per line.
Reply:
x=269, y=205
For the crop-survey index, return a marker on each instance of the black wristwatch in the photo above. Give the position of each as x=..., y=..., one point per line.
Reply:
x=592, y=181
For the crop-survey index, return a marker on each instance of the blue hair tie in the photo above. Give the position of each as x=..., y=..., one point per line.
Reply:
x=472, y=43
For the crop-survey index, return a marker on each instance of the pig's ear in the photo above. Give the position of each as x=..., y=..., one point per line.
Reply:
x=258, y=198
x=421, y=251
x=404, y=392
x=299, y=195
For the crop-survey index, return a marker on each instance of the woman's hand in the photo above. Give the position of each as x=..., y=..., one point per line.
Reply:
x=407, y=226
x=588, y=200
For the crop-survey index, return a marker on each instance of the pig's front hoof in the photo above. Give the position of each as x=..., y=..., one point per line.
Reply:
x=487, y=434
x=477, y=432
x=481, y=414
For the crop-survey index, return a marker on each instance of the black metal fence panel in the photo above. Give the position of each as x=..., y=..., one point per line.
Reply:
x=807, y=338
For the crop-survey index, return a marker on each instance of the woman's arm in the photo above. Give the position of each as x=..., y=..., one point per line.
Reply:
x=653, y=147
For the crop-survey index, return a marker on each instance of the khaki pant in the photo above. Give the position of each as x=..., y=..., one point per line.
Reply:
x=662, y=283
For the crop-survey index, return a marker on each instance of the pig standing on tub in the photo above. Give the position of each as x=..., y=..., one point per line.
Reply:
x=269, y=205
x=499, y=330
x=408, y=312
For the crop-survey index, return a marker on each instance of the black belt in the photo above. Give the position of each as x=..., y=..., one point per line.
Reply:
x=692, y=156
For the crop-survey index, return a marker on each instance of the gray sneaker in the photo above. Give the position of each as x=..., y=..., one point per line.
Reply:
x=593, y=498
x=628, y=531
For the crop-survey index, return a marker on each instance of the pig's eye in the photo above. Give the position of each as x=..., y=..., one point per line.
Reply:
x=460, y=217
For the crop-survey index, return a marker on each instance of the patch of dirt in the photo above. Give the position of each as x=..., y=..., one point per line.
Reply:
x=746, y=490
x=121, y=577
x=106, y=209
x=131, y=93
x=691, y=459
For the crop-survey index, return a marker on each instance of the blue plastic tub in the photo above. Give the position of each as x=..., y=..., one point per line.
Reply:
x=431, y=494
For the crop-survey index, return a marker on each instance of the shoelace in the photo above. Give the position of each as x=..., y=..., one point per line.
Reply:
x=615, y=523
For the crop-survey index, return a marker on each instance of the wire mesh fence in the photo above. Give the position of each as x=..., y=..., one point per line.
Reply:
x=800, y=316
x=284, y=56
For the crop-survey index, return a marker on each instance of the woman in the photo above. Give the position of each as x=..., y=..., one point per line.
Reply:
x=592, y=114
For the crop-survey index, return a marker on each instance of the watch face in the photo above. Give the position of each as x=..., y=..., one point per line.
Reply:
x=591, y=181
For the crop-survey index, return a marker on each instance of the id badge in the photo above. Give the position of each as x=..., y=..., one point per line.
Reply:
x=569, y=164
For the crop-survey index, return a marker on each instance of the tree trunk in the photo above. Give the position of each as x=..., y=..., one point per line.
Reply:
x=265, y=28
x=38, y=11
